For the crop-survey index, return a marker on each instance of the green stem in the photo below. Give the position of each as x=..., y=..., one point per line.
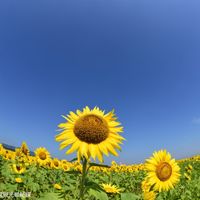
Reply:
x=83, y=178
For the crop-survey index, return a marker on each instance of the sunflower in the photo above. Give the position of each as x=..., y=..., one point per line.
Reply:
x=163, y=172
x=64, y=161
x=18, y=152
x=190, y=167
x=65, y=167
x=110, y=188
x=18, y=168
x=57, y=186
x=187, y=176
x=55, y=163
x=18, y=180
x=91, y=133
x=2, y=150
x=31, y=159
x=42, y=156
x=24, y=149
x=9, y=155
x=48, y=164
x=78, y=168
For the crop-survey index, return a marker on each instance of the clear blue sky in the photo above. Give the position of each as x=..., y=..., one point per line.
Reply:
x=140, y=57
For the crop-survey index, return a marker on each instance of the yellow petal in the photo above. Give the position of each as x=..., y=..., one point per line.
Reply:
x=92, y=150
x=111, y=149
x=67, y=142
x=103, y=148
x=61, y=137
x=74, y=147
x=99, y=155
x=84, y=149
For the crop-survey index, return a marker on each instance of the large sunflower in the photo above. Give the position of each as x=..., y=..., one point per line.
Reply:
x=42, y=156
x=163, y=172
x=91, y=133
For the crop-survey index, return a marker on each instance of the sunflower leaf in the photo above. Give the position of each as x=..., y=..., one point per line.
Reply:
x=129, y=196
x=98, y=195
x=73, y=172
x=51, y=195
x=98, y=165
x=151, y=188
x=92, y=185
x=73, y=160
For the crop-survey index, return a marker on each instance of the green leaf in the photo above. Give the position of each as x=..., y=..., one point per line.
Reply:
x=74, y=159
x=129, y=196
x=52, y=196
x=11, y=187
x=99, y=165
x=93, y=185
x=98, y=194
x=73, y=172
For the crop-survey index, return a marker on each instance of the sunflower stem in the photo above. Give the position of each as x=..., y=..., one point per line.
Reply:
x=83, y=178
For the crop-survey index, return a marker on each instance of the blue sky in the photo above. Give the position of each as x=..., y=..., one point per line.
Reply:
x=139, y=57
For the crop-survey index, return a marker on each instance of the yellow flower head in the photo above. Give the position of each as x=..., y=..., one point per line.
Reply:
x=163, y=172
x=2, y=150
x=190, y=167
x=18, y=180
x=18, y=168
x=55, y=163
x=18, y=152
x=91, y=133
x=110, y=188
x=113, y=163
x=65, y=167
x=78, y=168
x=9, y=155
x=24, y=149
x=42, y=156
x=48, y=164
x=63, y=161
x=31, y=159
x=57, y=186
x=187, y=176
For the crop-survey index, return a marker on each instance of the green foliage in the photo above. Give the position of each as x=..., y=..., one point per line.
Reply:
x=129, y=196
x=40, y=182
x=98, y=195
x=51, y=195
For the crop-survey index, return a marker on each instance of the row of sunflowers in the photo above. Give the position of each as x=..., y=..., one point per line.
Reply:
x=92, y=134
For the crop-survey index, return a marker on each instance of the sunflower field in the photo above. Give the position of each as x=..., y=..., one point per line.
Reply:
x=91, y=134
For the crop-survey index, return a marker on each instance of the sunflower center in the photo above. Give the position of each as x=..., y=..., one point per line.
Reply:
x=42, y=155
x=25, y=151
x=18, y=168
x=164, y=171
x=65, y=167
x=56, y=163
x=91, y=129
